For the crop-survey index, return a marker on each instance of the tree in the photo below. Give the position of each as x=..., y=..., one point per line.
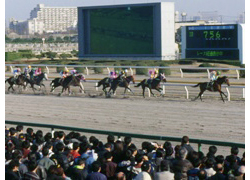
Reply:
x=50, y=39
x=66, y=39
x=51, y=55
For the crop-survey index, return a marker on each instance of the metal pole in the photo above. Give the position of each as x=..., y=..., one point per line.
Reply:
x=228, y=94
x=181, y=73
x=244, y=93
x=52, y=132
x=163, y=89
x=238, y=75
x=47, y=69
x=208, y=74
x=96, y=88
x=131, y=71
x=199, y=147
x=149, y=94
x=108, y=70
x=187, y=92
x=87, y=70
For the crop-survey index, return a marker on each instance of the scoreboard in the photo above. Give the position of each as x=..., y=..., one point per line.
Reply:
x=212, y=42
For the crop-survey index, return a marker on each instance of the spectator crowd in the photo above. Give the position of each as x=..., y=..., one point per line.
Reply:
x=59, y=156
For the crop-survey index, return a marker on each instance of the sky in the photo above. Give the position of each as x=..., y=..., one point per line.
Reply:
x=20, y=9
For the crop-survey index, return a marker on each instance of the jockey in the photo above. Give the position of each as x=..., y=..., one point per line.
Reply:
x=153, y=75
x=74, y=72
x=122, y=76
x=16, y=73
x=213, y=77
x=126, y=72
x=27, y=70
x=38, y=71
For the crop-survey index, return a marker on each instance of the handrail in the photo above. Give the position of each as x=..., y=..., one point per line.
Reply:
x=157, y=67
x=119, y=134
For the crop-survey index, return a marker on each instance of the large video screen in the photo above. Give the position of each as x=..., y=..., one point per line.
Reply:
x=121, y=30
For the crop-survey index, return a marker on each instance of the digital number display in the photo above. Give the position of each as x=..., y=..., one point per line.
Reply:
x=212, y=36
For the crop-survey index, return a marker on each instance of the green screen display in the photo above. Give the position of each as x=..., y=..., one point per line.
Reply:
x=122, y=30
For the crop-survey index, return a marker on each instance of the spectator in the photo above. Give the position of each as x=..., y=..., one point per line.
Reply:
x=220, y=159
x=75, y=151
x=241, y=173
x=211, y=152
x=144, y=174
x=107, y=148
x=12, y=171
x=31, y=174
x=193, y=173
x=96, y=175
x=79, y=171
x=111, y=140
x=209, y=167
x=165, y=173
x=181, y=165
x=46, y=162
x=202, y=174
x=120, y=176
x=25, y=148
x=219, y=173
x=110, y=167
x=234, y=152
x=185, y=144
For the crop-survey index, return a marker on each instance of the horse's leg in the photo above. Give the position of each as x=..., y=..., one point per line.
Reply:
x=221, y=95
x=81, y=88
x=130, y=90
x=143, y=91
x=151, y=92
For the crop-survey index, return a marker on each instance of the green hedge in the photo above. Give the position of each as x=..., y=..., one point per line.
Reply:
x=80, y=69
x=98, y=70
x=242, y=72
x=59, y=69
x=142, y=71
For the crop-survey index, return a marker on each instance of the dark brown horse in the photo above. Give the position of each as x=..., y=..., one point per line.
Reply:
x=106, y=82
x=215, y=88
x=155, y=84
x=21, y=80
x=38, y=80
x=119, y=81
x=72, y=81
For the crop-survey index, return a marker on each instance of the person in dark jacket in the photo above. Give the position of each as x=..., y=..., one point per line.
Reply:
x=219, y=173
x=110, y=167
x=60, y=158
x=185, y=144
x=79, y=172
x=12, y=171
x=96, y=175
x=31, y=174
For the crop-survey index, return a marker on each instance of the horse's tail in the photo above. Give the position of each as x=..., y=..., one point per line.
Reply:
x=99, y=84
x=138, y=85
x=196, y=85
x=6, y=80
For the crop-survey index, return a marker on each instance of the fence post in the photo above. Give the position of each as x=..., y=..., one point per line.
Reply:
x=108, y=70
x=11, y=69
x=244, y=93
x=87, y=70
x=149, y=94
x=208, y=74
x=181, y=73
x=52, y=132
x=163, y=89
x=187, y=92
x=47, y=69
x=238, y=75
x=228, y=94
x=131, y=71
x=96, y=88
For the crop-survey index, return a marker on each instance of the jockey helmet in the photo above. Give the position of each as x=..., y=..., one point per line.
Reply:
x=117, y=72
x=66, y=70
x=218, y=73
x=111, y=73
x=29, y=66
x=122, y=72
x=156, y=71
x=125, y=70
x=18, y=69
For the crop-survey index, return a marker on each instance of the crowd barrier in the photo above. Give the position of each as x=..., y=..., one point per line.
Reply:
x=121, y=134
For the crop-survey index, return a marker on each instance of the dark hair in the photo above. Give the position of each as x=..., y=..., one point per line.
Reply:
x=13, y=163
x=139, y=158
x=39, y=133
x=169, y=151
x=76, y=135
x=32, y=156
x=108, y=145
x=234, y=150
x=184, y=139
x=196, y=162
x=48, y=136
x=127, y=140
x=212, y=149
x=61, y=134
x=160, y=152
x=83, y=139
x=91, y=139
x=66, y=140
x=111, y=138
x=108, y=155
x=12, y=131
x=145, y=166
x=52, y=170
x=202, y=174
x=59, y=147
x=32, y=165
x=219, y=159
x=19, y=128
x=17, y=154
x=45, y=151
x=95, y=166
x=48, y=144
x=167, y=144
x=75, y=145
x=209, y=163
x=81, y=161
x=34, y=148
x=165, y=165
x=145, y=144
x=29, y=131
x=25, y=144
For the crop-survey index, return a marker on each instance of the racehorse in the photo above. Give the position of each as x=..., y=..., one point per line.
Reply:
x=38, y=80
x=105, y=82
x=72, y=81
x=122, y=83
x=55, y=83
x=21, y=80
x=155, y=84
x=216, y=87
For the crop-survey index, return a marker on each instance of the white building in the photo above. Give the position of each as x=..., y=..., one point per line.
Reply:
x=47, y=19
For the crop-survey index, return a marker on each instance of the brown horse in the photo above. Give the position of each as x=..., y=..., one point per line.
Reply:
x=73, y=81
x=21, y=80
x=216, y=87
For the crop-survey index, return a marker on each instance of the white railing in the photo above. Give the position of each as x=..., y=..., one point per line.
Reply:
x=130, y=68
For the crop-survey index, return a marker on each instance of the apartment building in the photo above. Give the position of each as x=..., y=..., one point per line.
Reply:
x=47, y=19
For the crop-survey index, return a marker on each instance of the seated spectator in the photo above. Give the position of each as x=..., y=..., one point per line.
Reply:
x=96, y=168
x=144, y=174
x=11, y=171
x=219, y=173
x=165, y=173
